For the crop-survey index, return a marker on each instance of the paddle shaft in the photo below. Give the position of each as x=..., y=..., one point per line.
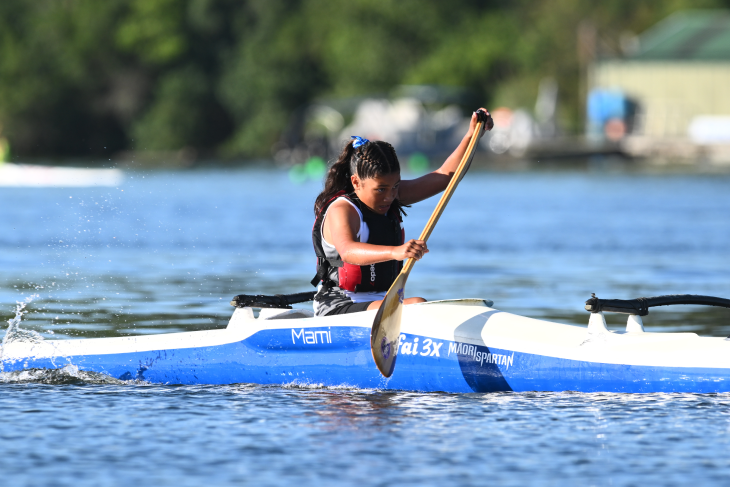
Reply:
x=448, y=192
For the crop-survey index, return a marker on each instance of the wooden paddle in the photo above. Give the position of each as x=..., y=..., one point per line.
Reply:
x=386, y=328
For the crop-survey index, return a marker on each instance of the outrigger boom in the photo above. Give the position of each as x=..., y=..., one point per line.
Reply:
x=640, y=306
x=454, y=345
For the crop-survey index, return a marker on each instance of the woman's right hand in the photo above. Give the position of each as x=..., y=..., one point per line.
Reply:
x=413, y=249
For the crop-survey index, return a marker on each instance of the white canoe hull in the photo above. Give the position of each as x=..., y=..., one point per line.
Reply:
x=461, y=346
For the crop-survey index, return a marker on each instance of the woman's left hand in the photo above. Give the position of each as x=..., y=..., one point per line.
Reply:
x=487, y=126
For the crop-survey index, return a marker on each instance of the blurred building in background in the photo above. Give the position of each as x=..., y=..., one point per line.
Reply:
x=670, y=95
x=421, y=120
x=425, y=122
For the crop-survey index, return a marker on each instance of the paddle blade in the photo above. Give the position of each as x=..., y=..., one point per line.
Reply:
x=386, y=328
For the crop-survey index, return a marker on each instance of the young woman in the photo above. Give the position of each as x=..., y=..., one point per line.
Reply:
x=358, y=233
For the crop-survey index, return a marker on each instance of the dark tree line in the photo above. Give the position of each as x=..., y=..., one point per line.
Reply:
x=91, y=78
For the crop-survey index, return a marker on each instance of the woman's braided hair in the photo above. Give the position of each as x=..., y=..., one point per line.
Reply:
x=372, y=159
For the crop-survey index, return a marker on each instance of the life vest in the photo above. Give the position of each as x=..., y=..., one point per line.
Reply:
x=383, y=230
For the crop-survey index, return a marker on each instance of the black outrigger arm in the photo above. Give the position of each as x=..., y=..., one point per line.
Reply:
x=281, y=301
x=640, y=306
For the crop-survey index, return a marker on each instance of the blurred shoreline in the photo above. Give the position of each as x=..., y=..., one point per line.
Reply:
x=614, y=161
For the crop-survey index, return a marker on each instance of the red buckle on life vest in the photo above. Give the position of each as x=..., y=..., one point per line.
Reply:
x=349, y=276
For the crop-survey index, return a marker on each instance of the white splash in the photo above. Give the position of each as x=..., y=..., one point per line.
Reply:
x=305, y=385
x=14, y=333
x=70, y=374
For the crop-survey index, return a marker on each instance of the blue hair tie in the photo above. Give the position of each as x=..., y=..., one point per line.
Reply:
x=358, y=141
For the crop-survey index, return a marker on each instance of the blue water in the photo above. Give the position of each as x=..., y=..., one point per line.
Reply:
x=166, y=251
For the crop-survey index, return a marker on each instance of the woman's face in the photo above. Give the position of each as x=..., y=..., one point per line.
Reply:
x=377, y=193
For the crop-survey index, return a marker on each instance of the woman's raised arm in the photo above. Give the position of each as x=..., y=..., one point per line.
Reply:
x=415, y=190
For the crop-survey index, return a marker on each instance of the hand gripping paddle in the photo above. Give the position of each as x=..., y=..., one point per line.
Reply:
x=386, y=327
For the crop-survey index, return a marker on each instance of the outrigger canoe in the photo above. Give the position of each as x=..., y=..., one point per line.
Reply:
x=463, y=345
